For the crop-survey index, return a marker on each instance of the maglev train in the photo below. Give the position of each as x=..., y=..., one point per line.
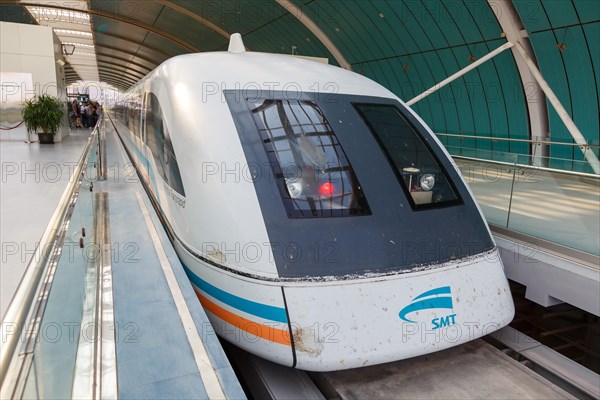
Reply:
x=321, y=223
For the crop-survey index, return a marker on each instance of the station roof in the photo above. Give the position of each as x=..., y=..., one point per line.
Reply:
x=406, y=45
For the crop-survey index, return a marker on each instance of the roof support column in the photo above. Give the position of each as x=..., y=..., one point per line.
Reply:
x=514, y=31
x=589, y=154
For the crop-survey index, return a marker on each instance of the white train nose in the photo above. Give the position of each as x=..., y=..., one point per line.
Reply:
x=357, y=323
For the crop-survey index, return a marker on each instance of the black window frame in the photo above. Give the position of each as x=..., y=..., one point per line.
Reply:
x=415, y=207
x=293, y=212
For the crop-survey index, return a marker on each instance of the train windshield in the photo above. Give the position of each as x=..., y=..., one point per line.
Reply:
x=367, y=160
x=415, y=165
x=314, y=176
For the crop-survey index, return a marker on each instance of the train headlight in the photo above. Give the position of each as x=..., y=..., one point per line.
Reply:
x=295, y=189
x=427, y=182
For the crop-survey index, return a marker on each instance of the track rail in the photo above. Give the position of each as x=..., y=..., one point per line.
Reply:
x=476, y=369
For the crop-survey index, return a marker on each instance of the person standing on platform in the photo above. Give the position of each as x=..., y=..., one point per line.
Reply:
x=75, y=115
x=90, y=114
x=93, y=116
x=97, y=112
x=84, y=118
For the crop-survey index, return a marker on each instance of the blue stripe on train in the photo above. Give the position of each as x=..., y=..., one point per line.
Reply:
x=258, y=309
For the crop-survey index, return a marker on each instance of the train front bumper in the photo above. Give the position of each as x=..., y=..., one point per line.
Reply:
x=354, y=323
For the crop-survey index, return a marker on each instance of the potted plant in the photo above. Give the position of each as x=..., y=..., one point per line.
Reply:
x=43, y=113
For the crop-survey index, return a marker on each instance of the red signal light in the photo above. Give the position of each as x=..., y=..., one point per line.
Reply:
x=326, y=189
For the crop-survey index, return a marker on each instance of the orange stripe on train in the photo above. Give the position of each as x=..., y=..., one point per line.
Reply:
x=254, y=328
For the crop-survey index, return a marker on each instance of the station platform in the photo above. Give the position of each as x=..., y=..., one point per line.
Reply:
x=34, y=176
x=121, y=319
x=556, y=206
x=546, y=224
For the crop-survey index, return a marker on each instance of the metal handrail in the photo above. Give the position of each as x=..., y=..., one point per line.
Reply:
x=527, y=166
x=532, y=141
x=22, y=301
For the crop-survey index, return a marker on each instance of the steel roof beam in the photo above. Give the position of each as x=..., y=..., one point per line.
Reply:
x=460, y=73
x=116, y=17
x=314, y=28
x=116, y=76
x=148, y=69
x=114, y=79
x=104, y=72
x=115, y=83
x=107, y=72
x=145, y=26
x=194, y=16
x=121, y=67
x=155, y=63
x=128, y=40
x=70, y=70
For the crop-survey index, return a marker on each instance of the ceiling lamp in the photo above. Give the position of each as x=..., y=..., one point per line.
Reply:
x=68, y=49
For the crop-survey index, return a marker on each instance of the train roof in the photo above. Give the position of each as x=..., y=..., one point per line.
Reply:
x=237, y=69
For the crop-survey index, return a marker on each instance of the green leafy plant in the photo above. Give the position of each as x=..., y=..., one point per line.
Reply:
x=43, y=113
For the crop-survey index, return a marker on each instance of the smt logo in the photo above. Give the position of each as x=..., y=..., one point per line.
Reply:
x=432, y=299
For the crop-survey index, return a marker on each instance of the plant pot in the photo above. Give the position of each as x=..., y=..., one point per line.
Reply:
x=46, y=138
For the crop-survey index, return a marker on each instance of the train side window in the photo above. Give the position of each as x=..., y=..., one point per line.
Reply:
x=144, y=115
x=313, y=174
x=420, y=173
x=159, y=142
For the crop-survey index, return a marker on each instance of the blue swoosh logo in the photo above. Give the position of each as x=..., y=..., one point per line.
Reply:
x=440, y=290
x=429, y=303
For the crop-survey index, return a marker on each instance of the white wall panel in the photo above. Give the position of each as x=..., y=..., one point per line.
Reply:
x=34, y=49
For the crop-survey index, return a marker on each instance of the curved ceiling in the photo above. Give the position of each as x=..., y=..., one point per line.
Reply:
x=566, y=40
x=406, y=45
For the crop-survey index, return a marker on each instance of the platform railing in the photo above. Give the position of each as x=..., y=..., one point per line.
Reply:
x=534, y=152
x=20, y=326
x=517, y=192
